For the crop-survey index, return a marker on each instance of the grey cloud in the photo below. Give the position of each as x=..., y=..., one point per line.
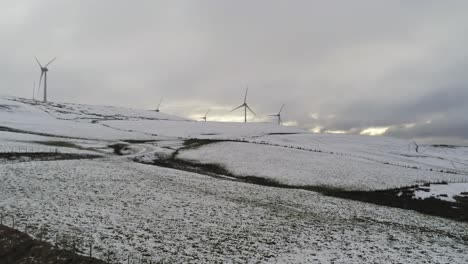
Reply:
x=354, y=64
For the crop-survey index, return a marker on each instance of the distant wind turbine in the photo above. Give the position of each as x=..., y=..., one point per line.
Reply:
x=279, y=115
x=44, y=71
x=160, y=101
x=34, y=91
x=246, y=106
x=204, y=117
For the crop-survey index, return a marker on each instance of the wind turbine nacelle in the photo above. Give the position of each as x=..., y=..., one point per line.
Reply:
x=44, y=69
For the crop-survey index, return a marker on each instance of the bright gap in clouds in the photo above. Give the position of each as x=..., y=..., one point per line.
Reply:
x=374, y=131
x=336, y=131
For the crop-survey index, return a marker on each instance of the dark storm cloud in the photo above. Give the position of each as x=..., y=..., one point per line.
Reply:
x=338, y=65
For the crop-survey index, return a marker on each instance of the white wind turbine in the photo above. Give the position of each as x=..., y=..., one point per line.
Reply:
x=44, y=71
x=34, y=91
x=157, y=108
x=246, y=106
x=279, y=115
x=204, y=117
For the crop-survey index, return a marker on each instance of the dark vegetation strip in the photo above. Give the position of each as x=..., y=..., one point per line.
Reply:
x=194, y=143
x=14, y=130
x=284, y=133
x=403, y=198
x=139, y=141
x=17, y=247
x=63, y=144
x=45, y=156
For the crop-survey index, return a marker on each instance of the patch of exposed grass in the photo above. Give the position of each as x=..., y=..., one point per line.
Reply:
x=444, y=146
x=118, y=147
x=138, y=141
x=63, y=144
x=17, y=247
x=44, y=156
x=196, y=142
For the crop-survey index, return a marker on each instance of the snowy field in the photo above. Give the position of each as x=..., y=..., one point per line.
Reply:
x=446, y=192
x=299, y=167
x=100, y=122
x=21, y=142
x=183, y=217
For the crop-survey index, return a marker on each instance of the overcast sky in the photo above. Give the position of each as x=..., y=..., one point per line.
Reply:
x=396, y=68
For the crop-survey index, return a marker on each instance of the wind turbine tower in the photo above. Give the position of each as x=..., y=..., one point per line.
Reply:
x=34, y=91
x=44, y=71
x=204, y=117
x=245, y=105
x=279, y=115
x=157, y=108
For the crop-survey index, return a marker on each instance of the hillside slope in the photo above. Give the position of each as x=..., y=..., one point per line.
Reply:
x=132, y=205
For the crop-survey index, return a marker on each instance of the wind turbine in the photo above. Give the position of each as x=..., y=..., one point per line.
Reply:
x=44, y=71
x=34, y=91
x=245, y=106
x=279, y=115
x=157, y=108
x=204, y=117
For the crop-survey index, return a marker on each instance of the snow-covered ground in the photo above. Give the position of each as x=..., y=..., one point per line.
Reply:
x=113, y=123
x=183, y=217
x=446, y=192
x=300, y=167
x=381, y=149
x=178, y=216
x=23, y=142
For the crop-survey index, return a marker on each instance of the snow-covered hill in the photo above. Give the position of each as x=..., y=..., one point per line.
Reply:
x=285, y=154
x=116, y=123
x=176, y=216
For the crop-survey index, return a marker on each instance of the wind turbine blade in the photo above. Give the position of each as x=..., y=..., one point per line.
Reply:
x=40, y=81
x=281, y=109
x=250, y=110
x=38, y=62
x=272, y=115
x=51, y=61
x=245, y=97
x=279, y=120
x=160, y=102
x=237, y=107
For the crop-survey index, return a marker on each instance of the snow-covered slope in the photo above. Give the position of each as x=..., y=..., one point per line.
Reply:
x=114, y=123
x=304, y=167
x=285, y=154
x=175, y=216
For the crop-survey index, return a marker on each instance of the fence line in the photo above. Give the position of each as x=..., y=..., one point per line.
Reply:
x=28, y=150
x=72, y=242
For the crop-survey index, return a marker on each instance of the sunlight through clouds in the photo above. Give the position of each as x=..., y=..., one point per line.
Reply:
x=374, y=131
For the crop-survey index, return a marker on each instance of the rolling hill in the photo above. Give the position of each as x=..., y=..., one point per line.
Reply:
x=188, y=191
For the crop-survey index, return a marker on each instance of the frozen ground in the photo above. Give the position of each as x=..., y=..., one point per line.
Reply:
x=446, y=192
x=178, y=216
x=113, y=123
x=302, y=167
x=184, y=217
